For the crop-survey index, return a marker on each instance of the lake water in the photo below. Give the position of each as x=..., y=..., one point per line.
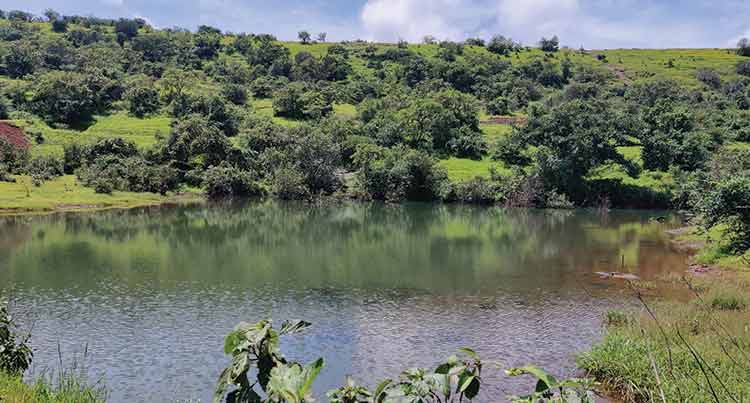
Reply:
x=152, y=292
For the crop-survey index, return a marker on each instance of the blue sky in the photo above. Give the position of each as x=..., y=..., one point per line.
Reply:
x=589, y=23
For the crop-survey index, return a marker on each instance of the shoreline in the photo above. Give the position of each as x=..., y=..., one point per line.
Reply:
x=171, y=200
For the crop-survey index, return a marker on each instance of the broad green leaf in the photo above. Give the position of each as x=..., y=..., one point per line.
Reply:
x=380, y=394
x=544, y=378
x=471, y=353
x=295, y=326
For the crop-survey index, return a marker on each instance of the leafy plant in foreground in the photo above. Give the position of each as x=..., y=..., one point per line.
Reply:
x=549, y=389
x=15, y=355
x=257, y=346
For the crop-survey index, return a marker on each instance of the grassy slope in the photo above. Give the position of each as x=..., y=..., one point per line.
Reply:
x=141, y=131
x=66, y=193
x=635, y=63
x=643, y=63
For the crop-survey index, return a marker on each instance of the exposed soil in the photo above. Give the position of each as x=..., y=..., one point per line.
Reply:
x=504, y=120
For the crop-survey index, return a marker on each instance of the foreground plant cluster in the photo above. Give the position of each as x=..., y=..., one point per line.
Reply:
x=255, y=348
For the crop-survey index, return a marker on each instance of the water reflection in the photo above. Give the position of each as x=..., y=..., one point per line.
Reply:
x=154, y=290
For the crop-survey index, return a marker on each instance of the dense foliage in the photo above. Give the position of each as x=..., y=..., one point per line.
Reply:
x=250, y=115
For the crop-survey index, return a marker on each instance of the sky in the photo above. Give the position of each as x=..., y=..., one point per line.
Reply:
x=593, y=24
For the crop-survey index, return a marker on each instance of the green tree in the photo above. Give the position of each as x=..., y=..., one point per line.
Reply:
x=304, y=37
x=549, y=45
x=21, y=60
x=142, y=97
x=63, y=97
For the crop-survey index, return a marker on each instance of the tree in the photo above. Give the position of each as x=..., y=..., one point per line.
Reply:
x=502, y=45
x=142, y=97
x=63, y=97
x=304, y=37
x=429, y=40
x=126, y=29
x=322, y=37
x=59, y=26
x=51, y=15
x=225, y=180
x=474, y=42
x=21, y=60
x=743, y=47
x=571, y=139
x=743, y=68
x=549, y=45
x=399, y=173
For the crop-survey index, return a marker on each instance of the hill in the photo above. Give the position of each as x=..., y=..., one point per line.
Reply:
x=190, y=100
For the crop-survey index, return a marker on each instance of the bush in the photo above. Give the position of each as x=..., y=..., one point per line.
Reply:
x=743, y=68
x=296, y=101
x=477, y=191
x=468, y=143
x=743, y=47
x=44, y=168
x=502, y=45
x=549, y=45
x=227, y=181
x=63, y=97
x=235, y=94
x=15, y=352
x=13, y=158
x=288, y=183
x=727, y=203
x=710, y=77
x=399, y=174
x=142, y=99
x=499, y=106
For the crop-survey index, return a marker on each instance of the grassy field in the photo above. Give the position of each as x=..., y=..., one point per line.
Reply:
x=65, y=193
x=692, y=352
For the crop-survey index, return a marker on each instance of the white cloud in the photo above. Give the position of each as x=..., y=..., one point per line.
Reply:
x=389, y=20
x=591, y=23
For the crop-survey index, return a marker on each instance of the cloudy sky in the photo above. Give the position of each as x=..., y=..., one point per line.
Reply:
x=589, y=23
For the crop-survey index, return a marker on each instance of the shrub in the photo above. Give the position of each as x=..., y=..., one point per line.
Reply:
x=111, y=172
x=63, y=97
x=399, y=174
x=288, y=183
x=235, y=94
x=743, y=68
x=549, y=45
x=479, y=190
x=498, y=106
x=44, y=168
x=468, y=143
x=710, y=77
x=727, y=203
x=502, y=45
x=14, y=159
x=743, y=47
x=15, y=352
x=225, y=180
x=142, y=99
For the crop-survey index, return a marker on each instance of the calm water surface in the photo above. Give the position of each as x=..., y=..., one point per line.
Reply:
x=152, y=292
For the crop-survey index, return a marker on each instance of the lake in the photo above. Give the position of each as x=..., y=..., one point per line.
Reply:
x=150, y=293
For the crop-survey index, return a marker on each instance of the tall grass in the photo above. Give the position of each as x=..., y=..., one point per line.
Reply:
x=676, y=351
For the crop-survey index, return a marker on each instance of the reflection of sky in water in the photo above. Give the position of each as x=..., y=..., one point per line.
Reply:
x=152, y=292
